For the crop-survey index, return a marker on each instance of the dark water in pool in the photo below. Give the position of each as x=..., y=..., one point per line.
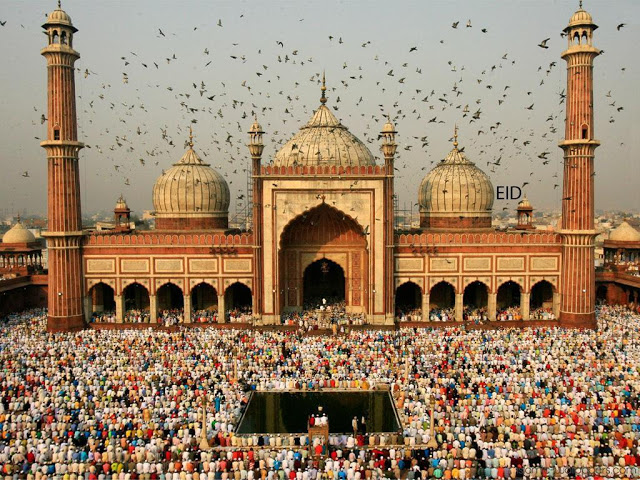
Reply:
x=287, y=412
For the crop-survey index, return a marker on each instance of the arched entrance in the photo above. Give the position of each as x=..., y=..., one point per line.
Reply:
x=442, y=302
x=170, y=304
x=541, y=301
x=103, y=303
x=204, y=297
x=238, y=302
x=323, y=279
x=136, y=303
x=170, y=297
x=409, y=302
x=474, y=300
x=508, y=301
x=323, y=253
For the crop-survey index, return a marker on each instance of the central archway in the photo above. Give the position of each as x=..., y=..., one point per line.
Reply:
x=323, y=254
x=323, y=279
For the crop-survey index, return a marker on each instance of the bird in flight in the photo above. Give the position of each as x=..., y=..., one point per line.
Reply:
x=25, y=174
x=543, y=43
x=455, y=25
x=617, y=28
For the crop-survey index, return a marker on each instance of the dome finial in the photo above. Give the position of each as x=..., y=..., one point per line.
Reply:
x=59, y=5
x=18, y=218
x=580, y=4
x=455, y=136
x=323, y=88
x=190, y=137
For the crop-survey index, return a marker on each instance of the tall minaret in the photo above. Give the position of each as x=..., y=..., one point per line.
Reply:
x=389, y=147
x=64, y=234
x=577, y=307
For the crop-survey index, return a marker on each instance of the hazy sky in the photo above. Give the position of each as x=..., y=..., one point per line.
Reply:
x=220, y=62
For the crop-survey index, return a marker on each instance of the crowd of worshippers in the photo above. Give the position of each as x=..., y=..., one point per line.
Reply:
x=511, y=403
x=408, y=314
x=324, y=313
x=174, y=316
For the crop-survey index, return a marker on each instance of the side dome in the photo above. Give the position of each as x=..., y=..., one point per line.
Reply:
x=324, y=141
x=581, y=17
x=624, y=233
x=191, y=196
x=18, y=234
x=455, y=194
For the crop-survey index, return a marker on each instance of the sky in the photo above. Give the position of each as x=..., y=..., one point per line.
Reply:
x=149, y=69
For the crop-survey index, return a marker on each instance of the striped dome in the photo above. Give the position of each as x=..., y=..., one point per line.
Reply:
x=324, y=141
x=456, y=189
x=191, y=188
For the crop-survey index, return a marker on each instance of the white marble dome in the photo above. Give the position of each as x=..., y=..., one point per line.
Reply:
x=324, y=141
x=191, y=188
x=456, y=188
x=18, y=234
x=624, y=233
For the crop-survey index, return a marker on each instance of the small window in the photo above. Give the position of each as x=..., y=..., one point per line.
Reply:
x=63, y=38
x=585, y=132
x=56, y=134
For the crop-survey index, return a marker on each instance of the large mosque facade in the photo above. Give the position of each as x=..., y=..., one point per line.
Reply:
x=322, y=226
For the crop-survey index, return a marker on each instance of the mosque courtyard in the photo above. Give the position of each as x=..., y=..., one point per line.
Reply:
x=525, y=403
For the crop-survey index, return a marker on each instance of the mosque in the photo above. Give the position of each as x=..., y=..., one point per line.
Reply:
x=322, y=225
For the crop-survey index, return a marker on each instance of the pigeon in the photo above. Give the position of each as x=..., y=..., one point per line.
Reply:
x=543, y=43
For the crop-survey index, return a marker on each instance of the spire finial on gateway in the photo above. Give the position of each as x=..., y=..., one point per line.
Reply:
x=323, y=88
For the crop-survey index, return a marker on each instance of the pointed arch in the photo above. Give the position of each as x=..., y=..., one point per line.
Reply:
x=323, y=225
x=238, y=301
x=103, y=303
x=408, y=301
x=136, y=303
x=541, y=301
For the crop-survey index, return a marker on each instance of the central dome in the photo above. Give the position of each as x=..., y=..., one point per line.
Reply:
x=455, y=194
x=324, y=141
x=191, y=196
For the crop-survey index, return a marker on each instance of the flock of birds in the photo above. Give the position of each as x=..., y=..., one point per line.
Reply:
x=119, y=120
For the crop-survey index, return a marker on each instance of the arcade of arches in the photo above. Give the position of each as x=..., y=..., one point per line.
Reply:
x=509, y=302
x=323, y=254
x=137, y=305
x=324, y=278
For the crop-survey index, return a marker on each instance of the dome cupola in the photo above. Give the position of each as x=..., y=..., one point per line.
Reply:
x=324, y=141
x=18, y=234
x=624, y=233
x=191, y=195
x=455, y=194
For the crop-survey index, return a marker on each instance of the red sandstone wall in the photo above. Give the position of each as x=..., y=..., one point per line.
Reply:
x=455, y=223
x=206, y=223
